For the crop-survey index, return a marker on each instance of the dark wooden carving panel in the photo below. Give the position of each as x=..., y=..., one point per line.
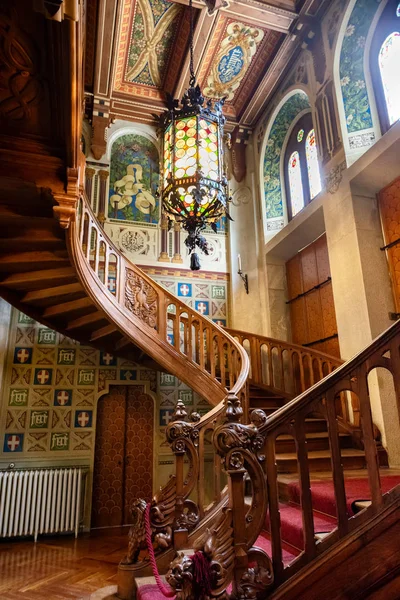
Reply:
x=312, y=316
x=123, y=466
x=389, y=205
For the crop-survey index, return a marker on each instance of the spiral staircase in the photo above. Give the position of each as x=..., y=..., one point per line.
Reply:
x=284, y=417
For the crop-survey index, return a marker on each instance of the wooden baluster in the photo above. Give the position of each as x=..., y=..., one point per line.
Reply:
x=221, y=352
x=254, y=361
x=202, y=361
x=281, y=371
x=302, y=379
x=321, y=372
x=274, y=514
x=306, y=499
x=213, y=355
x=230, y=366
x=97, y=254
x=336, y=460
x=106, y=265
x=311, y=367
x=371, y=454
x=162, y=316
x=270, y=366
x=217, y=478
x=175, y=326
x=201, y=480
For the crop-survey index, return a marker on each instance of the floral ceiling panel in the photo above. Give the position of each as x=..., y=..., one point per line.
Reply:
x=238, y=55
x=148, y=41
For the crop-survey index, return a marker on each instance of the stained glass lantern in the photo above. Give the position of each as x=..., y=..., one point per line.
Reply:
x=194, y=187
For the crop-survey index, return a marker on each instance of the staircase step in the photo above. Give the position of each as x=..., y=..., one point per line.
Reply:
x=35, y=280
x=60, y=293
x=315, y=441
x=18, y=262
x=320, y=460
x=315, y=425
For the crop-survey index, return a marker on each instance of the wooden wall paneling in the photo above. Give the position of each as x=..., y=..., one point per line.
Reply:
x=298, y=307
x=389, y=206
x=313, y=316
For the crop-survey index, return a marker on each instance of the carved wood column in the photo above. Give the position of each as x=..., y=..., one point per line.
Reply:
x=89, y=174
x=164, y=240
x=103, y=176
x=177, y=244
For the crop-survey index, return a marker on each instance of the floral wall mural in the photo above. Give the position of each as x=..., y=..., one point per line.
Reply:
x=134, y=179
x=352, y=77
x=272, y=176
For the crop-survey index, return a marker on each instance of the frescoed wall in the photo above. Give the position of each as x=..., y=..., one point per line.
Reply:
x=134, y=179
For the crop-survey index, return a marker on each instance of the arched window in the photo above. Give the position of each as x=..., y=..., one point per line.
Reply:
x=302, y=175
x=385, y=60
x=389, y=58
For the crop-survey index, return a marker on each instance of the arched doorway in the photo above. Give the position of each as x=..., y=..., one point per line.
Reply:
x=123, y=463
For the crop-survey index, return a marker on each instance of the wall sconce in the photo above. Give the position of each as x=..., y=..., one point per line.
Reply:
x=243, y=277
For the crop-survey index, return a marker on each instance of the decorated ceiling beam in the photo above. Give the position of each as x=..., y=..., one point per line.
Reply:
x=270, y=15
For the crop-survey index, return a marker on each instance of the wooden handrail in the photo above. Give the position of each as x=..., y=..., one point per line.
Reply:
x=179, y=338
x=351, y=376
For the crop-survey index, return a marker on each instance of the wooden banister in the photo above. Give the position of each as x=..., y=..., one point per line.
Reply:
x=183, y=342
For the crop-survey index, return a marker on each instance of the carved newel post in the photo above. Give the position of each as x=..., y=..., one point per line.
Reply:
x=240, y=447
x=183, y=438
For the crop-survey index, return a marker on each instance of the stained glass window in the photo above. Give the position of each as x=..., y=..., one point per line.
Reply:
x=389, y=58
x=295, y=183
x=314, y=177
x=398, y=10
x=300, y=135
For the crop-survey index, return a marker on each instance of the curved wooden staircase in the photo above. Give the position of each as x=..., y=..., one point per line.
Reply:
x=286, y=401
x=59, y=277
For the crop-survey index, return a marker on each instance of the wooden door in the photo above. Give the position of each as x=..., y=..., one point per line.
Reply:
x=312, y=308
x=123, y=465
x=389, y=206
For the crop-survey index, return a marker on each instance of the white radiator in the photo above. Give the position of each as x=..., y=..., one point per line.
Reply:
x=35, y=501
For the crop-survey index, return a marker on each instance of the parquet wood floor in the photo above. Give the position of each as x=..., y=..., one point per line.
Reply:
x=61, y=568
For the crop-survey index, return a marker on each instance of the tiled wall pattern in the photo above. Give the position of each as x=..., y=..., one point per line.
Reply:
x=52, y=383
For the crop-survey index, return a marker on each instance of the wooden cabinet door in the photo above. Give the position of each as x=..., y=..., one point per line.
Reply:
x=123, y=464
x=312, y=309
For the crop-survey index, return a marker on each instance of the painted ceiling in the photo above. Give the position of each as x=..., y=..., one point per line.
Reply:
x=148, y=41
x=154, y=44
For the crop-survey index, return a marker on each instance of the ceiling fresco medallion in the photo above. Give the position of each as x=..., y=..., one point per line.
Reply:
x=147, y=37
x=232, y=60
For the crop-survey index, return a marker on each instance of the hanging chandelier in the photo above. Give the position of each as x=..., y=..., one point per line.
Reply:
x=194, y=186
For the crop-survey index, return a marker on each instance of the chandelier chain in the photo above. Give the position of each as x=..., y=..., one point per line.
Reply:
x=192, y=80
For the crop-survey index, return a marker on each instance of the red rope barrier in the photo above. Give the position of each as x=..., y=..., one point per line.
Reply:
x=167, y=592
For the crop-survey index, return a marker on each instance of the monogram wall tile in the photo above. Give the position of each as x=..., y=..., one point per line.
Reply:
x=18, y=397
